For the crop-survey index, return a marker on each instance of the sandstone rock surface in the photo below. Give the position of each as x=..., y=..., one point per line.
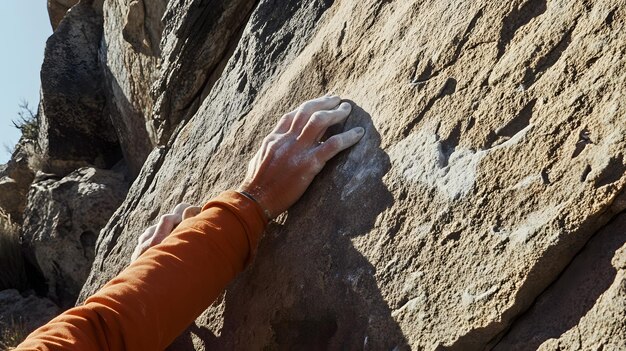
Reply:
x=62, y=222
x=494, y=153
x=585, y=308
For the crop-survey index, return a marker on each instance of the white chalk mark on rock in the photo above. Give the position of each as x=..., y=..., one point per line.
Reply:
x=468, y=298
x=533, y=223
x=420, y=157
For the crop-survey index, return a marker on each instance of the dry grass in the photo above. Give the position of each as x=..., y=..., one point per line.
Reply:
x=12, y=333
x=12, y=274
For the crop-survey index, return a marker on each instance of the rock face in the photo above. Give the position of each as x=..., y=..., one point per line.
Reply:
x=155, y=78
x=75, y=129
x=585, y=308
x=38, y=310
x=63, y=219
x=494, y=154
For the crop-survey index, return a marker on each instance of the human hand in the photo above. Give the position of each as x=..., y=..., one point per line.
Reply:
x=292, y=154
x=153, y=235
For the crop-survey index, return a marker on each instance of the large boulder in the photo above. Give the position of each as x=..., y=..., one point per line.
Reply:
x=494, y=152
x=75, y=129
x=62, y=221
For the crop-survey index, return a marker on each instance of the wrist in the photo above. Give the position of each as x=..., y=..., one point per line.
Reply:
x=266, y=212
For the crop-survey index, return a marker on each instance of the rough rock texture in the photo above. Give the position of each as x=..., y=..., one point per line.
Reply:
x=15, y=179
x=62, y=222
x=128, y=55
x=156, y=78
x=585, y=308
x=494, y=152
x=75, y=130
x=191, y=67
x=30, y=310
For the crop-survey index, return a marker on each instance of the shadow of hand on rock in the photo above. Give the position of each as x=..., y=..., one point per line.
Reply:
x=310, y=288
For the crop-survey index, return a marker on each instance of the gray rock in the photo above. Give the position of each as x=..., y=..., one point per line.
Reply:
x=75, y=130
x=129, y=57
x=28, y=312
x=155, y=79
x=191, y=67
x=494, y=152
x=15, y=179
x=62, y=221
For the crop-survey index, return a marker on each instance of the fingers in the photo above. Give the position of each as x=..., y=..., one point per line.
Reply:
x=139, y=249
x=165, y=227
x=191, y=211
x=180, y=208
x=307, y=109
x=285, y=123
x=321, y=120
x=155, y=234
x=338, y=143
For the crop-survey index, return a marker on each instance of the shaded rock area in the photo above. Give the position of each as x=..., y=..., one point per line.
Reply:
x=129, y=61
x=585, y=308
x=57, y=10
x=27, y=311
x=62, y=223
x=494, y=152
x=75, y=130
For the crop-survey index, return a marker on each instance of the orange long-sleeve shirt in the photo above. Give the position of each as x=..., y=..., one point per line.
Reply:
x=154, y=299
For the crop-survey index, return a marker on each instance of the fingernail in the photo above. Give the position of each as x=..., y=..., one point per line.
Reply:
x=359, y=131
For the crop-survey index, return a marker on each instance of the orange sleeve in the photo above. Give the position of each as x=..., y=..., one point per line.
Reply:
x=153, y=300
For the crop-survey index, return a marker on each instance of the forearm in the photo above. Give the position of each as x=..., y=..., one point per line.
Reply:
x=152, y=301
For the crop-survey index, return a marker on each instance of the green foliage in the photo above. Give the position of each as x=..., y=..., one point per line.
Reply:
x=12, y=274
x=12, y=333
x=27, y=122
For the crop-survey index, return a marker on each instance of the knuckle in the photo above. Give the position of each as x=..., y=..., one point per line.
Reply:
x=316, y=165
x=169, y=219
x=273, y=147
x=269, y=139
x=335, y=143
x=315, y=122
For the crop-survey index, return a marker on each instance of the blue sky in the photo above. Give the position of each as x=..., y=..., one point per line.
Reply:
x=24, y=28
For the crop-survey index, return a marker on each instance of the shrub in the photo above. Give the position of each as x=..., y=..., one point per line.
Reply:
x=12, y=333
x=27, y=122
x=12, y=274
